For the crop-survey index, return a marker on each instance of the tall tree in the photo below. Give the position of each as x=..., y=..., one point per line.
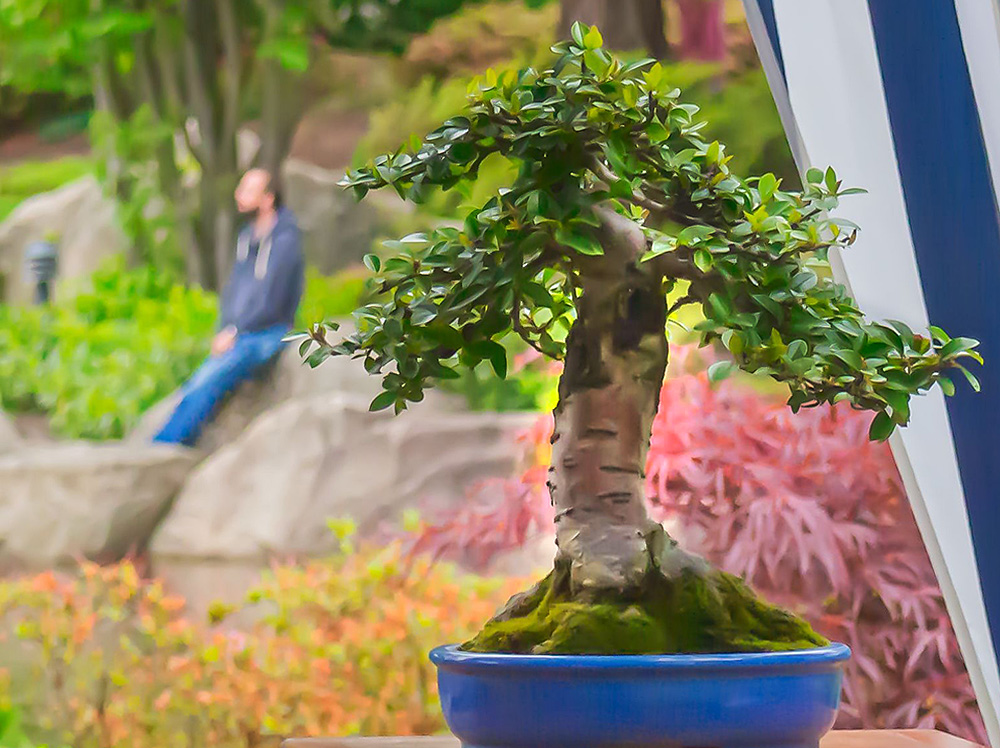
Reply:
x=625, y=24
x=163, y=70
x=618, y=202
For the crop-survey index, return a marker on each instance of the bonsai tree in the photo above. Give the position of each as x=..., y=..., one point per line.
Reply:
x=620, y=204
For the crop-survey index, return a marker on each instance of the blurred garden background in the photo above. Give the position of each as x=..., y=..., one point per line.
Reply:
x=288, y=576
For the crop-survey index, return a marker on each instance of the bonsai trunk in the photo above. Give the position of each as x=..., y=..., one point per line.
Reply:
x=620, y=585
x=615, y=362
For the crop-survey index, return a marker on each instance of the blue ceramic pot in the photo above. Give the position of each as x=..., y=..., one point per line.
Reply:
x=759, y=700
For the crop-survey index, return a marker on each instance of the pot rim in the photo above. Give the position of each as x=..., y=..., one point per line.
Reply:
x=835, y=653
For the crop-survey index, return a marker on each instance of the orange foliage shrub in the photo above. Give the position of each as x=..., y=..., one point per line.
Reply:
x=340, y=647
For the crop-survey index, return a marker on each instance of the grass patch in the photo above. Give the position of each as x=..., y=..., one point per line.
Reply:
x=22, y=180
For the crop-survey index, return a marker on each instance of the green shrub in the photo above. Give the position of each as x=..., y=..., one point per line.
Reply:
x=96, y=362
x=130, y=337
x=327, y=297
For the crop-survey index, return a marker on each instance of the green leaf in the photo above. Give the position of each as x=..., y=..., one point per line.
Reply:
x=372, y=262
x=382, y=401
x=958, y=345
x=971, y=377
x=766, y=187
x=947, y=386
x=881, y=428
x=694, y=233
x=499, y=362
x=582, y=243
x=814, y=176
x=831, y=179
x=661, y=243
x=899, y=402
x=654, y=76
x=495, y=353
x=720, y=370
x=422, y=313
x=703, y=260
x=797, y=349
x=720, y=306
x=656, y=132
x=733, y=341
x=939, y=335
x=592, y=39
x=849, y=357
x=578, y=31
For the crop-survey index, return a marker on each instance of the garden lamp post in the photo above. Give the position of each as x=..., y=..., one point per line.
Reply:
x=41, y=263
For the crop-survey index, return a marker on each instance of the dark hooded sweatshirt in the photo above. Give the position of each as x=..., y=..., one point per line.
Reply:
x=265, y=286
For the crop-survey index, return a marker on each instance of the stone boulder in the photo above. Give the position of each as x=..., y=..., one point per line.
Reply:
x=312, y=459
x=337, y=230
x=64, y=501
x=10, y=439
x=84, y=219
x=287, y=379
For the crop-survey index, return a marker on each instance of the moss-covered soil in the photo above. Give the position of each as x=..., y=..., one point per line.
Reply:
x=689, y=613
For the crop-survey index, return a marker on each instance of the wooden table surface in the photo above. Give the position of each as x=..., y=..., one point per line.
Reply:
x=835, y=739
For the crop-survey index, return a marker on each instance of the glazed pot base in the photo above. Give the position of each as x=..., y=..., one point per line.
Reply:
x=754, y=700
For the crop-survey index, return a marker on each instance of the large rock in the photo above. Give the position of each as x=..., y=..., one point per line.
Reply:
x=64, y=501
x=337, y=230
x=82, y=217
x=288, y=378
x=10, y=439
x=311, y=459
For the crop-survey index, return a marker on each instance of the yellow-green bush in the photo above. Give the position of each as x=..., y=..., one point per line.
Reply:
x=330, y=296
x=341, y=649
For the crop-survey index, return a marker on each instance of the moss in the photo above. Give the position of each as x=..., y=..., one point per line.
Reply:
x=691, y=613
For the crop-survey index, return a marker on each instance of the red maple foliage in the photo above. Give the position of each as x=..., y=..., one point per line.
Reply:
x=803, y=506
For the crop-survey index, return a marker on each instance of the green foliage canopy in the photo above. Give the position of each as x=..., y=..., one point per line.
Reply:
x=589, y=132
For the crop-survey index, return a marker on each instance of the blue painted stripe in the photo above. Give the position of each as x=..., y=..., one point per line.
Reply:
x=767, y=13
x=955, y=228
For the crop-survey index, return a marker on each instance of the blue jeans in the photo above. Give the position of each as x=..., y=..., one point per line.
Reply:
x=216, y=378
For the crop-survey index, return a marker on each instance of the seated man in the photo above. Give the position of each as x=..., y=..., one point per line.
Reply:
x=257, y=309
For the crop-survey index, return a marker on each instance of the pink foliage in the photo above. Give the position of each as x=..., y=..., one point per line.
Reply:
x=804, y=507
x=702, y=30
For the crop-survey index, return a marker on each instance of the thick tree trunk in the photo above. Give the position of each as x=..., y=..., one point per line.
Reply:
x=624, y=24
x=615, y=362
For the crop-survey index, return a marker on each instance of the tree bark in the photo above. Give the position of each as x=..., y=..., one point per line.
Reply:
x=283, y=99
x=608, y=395
x=624, y=24
x=282, y=109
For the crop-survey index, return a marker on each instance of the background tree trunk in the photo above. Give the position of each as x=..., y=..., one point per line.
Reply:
x=281, y=111
x=624, y=24
x=608, y=394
